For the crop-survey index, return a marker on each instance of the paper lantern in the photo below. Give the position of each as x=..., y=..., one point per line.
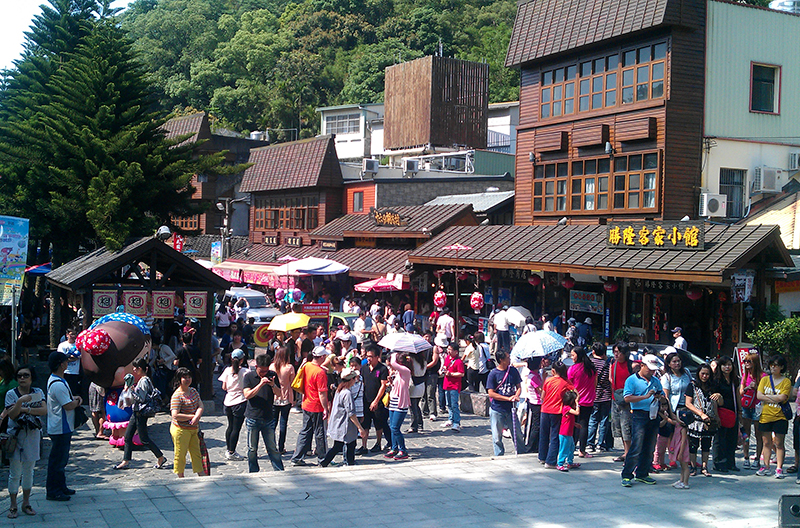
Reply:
x=534, y=280
x=568, y=282
x=439, y=299
x=694, y=293
x=476, y=301
x=463, y=276
x=485, y=275
x=610, y=286
x=723, y=296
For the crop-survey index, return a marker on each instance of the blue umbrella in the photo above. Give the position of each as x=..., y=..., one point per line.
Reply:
x=538, y=344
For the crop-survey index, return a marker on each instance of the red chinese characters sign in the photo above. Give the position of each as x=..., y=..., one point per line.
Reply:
x=657, y=235
x=196, y=303
x=135, y=302
x=163, y=304
x=104, y=302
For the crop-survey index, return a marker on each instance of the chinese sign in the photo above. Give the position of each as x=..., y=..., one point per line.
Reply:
x=104, y=302
x=294, y=241
x=196, y=302
x=586, y=302
x=657, y=286
x=503, y=296
x=135, y=302
x=177, y=242
x=742, y=285
x=13, y=256
x=387, y=217
x=163, y=304
x=656, y=235
x=270, y=241
x=514, y=274
x=328, y=245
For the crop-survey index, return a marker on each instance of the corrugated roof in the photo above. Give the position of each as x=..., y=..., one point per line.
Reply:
x=548, y=27
x=200, y=246
x=481, y=202
x=196, y=124
x=432, y=218
x=295, y=165
x=582, y=249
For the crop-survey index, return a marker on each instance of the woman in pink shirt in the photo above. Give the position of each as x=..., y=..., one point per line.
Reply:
x=583, y=375
x=399, y=402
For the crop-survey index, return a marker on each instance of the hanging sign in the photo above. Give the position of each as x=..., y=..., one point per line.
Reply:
x=135, y=302
x=177, y=242
x=742, y=285
x=164, y=304
x=13, y=257
x=656, y=235
x=104, y=302
x=216, y=252
x=196, y=302
x=586, y=302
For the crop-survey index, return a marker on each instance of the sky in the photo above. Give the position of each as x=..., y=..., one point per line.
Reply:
x=16, y=19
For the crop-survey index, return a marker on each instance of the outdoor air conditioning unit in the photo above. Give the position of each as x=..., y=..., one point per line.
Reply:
x=767, y=180
x=794, y=161
x=410, y=166
x=369, y=167
x=713, y=205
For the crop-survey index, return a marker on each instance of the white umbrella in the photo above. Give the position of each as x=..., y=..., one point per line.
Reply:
x=538, y=344
x=311, y=266
x=516, y=315
x=405, y=342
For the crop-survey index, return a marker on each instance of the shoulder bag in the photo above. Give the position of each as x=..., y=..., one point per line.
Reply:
x=81, y=416
x=619, y=394
x=786, y=409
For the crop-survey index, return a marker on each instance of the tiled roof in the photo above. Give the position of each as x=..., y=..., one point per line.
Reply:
x=196, y=124
x=481, y=202
x=582, y=249
x=299, y=164
x=363, y=262
x=432, y=218
x=547, y=27
x=200, y=246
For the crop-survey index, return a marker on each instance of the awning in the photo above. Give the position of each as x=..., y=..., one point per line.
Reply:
x=312, y=266
x=252, y=273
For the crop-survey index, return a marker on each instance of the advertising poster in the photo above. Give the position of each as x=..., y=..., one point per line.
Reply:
x=586, y=302
x=13, y=255
x=196, y=303
x=104, y=302
x=164, y=304
x=483, y=325
x=503, y=297
x=135, y=302
x=216, y=252
x=741, y=352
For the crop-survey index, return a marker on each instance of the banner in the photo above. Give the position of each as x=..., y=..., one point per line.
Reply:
x=586, y=302
x=104, y=302
x=216, y=252
x=177, y=242
x=13, y=255
x=135, y=302
x=742, y=285
x=164, y=304
x=196, y=303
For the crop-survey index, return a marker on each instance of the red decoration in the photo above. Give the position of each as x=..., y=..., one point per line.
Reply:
x=437, y=273
x=476, y=301
x=534, y=280
x=463, y=276
x=610, y=286
x=718, y=331
x=694, y=293
x=94, y=342
x=439, y=299
x=723, y=296
x=485, y=275
x=568, y=282
x=657, y=317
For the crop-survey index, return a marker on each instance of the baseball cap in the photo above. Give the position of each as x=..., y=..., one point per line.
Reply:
x=319, y=351
x=237, y=354
x=652, y=362
x=348, y=374
x=55, y=359
x=677, y=329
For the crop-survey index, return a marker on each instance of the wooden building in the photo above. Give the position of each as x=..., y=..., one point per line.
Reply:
x=611, y=109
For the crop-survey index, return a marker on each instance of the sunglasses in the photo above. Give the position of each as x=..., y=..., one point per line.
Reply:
x=23, y=376
x=746, y=361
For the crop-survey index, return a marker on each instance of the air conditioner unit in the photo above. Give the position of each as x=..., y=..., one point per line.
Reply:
x=794, y=161
x=767, y=180
x=410, y=166
x=370, y=166
x=713, y=205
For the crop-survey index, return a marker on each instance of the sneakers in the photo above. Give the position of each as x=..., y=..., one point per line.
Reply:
x=300, y=462
x=550, y=466
x=506, y=433
x=361, y=451
x=746, y=464
x=680, y=485
x=627, y=483
x=456, y=428
x=433, y=417
x=375, y=449
x=447, y=424
x=646, y=480
x=658, y=468
x=779, y=474
x=563, y=468
x=401, y=455
x=390, y=454
x=763, y=472
x=233, y=456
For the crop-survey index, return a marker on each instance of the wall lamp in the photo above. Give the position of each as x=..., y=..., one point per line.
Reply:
x=610, y=150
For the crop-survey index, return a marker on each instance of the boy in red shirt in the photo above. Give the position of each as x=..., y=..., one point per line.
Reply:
x=454, y=370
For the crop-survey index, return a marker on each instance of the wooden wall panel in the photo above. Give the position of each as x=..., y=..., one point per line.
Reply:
x=640, y=128
x=368, y=188
x=590, y=135
x=523, y=179
x=408, y=87
x=551, y=141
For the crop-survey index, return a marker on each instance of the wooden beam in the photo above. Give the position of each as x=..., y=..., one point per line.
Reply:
x=165, y=276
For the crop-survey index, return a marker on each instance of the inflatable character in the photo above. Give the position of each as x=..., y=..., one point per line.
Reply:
x=108, y=348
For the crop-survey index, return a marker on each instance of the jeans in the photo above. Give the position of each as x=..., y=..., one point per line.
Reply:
x=598, y=424
x=349, y=453
x=644, y=433
x=442, y=396
x=500, y=420
x=453, y=412
x=235, y=415
x=504, y=340
x=57, y=463
x=282, y=422
x=313, y=428
x=566, y=450
x=139, y=423
x=548, y=438
x=416, y=415
x=429, y=398
x=267, y=430
x=532, y=427
x=395, y=422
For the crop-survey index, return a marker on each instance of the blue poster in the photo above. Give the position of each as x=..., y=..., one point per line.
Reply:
x=13, y=255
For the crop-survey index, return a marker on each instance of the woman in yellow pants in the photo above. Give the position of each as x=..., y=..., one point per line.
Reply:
x=186, y=408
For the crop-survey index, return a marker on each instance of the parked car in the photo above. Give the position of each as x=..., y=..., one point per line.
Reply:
x=261, y=308
x=691, y=361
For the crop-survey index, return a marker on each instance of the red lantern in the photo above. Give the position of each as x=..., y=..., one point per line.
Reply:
x=610, y=286
x=694, y=293
x=568, y=282
x=534, y=280
x=722, y=296
x=476, y=301
x=463, y=276
x=439, y=299
x=485, y=275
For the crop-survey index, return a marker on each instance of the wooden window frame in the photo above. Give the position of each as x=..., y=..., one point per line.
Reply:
x=187, y=222
x=358, y=201
x=289, y=213
x=776, y=90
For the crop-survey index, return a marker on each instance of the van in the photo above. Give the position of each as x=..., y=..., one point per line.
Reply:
x=260, y=307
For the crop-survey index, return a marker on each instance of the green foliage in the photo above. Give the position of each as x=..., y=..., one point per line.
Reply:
x=774, y=313
x=779, y=337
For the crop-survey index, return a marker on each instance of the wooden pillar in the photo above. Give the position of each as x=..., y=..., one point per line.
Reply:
x=207, y=367
x=55, y=316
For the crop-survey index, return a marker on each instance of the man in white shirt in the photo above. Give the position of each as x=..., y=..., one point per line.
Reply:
x=680, y=342
x=61, y=406
x=446, y=325
x=501, y=328
x=73, y=372
x=375, y=309
x=359, y=329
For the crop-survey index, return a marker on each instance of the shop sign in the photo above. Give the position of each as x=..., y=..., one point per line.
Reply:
x=270, y=241
x=135, y=302
x=741, y=353
x=514, y=274
x=196, y=303
x=387, y=218
x=294, y=241
x=780, y=287
x=657, y=286
x=163, y=304
x=586, y=302
x=483, y=325
x=363, y=242
x=742, y=285
x=488, y=296
x=328, y=245
x=656, y=235
x=420, y=282
x=317, y=310
x=104, y=302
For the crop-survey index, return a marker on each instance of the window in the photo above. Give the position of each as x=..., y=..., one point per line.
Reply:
x=764, y=88
x=343, y=124
x=601, y=184
x=187, y=222
x=731, y=184
x=358, y=202
x=604, y=82
x=286, y=213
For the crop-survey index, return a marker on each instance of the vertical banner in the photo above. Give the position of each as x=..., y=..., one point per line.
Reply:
x=742, y=285
x=216, y=252
x=135, y=302
x=104, y=302
x=177, y=242
x=741, y=353
x=13, y=256
x=196, y=302
x=164, y=304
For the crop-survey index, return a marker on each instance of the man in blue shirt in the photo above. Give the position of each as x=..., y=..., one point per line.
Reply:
x=504, y=386
x=642, y=391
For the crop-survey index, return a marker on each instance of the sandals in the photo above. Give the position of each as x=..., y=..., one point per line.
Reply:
x=692, y=471
x=161, y=463
x=122, y=465
x=619, y=459
x=27, y=510
x=704, y=471
x=12, y=513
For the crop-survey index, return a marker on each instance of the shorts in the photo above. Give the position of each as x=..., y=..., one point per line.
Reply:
x=777, y=427
x=621, y=421
x=96, y=400
x=749, y=414
x=379, y=417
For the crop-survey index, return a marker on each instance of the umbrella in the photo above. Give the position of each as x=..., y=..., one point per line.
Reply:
x=516, y=315
x=381, y=284
x=538, y=344
x=289, y=321
x=311, y=266
x=405, y=342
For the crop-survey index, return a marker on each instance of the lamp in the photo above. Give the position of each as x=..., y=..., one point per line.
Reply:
x=694, y=293
x=610, y=286
x=532, y=157
x=749, y=312
x=534, y=280
x=485, y=275
x=568, y=282
x=610, y=149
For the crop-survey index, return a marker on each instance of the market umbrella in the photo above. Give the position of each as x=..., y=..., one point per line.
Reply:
x=538, y=344
x=311, y=266
x=516, y=315
x=381, y=284
x=405, y=342
x=289, y=321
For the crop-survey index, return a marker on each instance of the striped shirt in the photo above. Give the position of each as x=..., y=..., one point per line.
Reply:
x=184, y=403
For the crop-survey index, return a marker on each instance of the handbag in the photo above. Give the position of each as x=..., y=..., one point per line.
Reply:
x=81, y=416
x=749, y=400
x=299, y=382
x=727, y=418
x=204, y=454
x=786, y=409
x=8, y=442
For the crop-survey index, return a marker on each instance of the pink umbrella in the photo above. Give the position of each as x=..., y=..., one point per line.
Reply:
x=381, y=284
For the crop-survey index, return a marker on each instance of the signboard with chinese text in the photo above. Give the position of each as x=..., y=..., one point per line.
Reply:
x=657, y=286
x=503, y=296
x=317, y=310
x=586, y=302
x=328, y=245
x=514, y=274
x=387, y=217
x=742, y=286
x=270, y=241
x=164, y=304
x=741, y=352
x=196, y=302
x=135, y=302
x=294, y=241
x=177, y=242
x=656, y=235
x=104, y=302
x=483, y=325
x=13, y=257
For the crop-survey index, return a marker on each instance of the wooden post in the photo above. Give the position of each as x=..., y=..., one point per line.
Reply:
x=55, y=316
x=207, y=367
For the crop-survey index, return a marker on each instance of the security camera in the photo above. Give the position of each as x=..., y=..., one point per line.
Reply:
x=163, y=233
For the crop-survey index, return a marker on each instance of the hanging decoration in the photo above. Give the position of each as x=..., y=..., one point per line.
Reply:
x=610, y=286
x=657, y=318
x=568, y=282
x=485, y=275
x=439, y=299
x=718, y=331
x=476, y=302
x=463, y=276
x=694, y=293
x=534, y=280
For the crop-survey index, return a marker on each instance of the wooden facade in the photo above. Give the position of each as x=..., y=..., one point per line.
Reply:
x=366, y=200
x=436, y=101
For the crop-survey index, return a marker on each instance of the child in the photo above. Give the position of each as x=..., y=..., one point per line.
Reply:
x=566, y=443
x=666, y=427
x=679, y=447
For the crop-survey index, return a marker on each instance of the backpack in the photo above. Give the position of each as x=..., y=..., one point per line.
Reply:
x=152, y=403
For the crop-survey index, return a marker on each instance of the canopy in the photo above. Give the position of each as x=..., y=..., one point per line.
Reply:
x=39, y=269
x=381, y=284
x=311, y=266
